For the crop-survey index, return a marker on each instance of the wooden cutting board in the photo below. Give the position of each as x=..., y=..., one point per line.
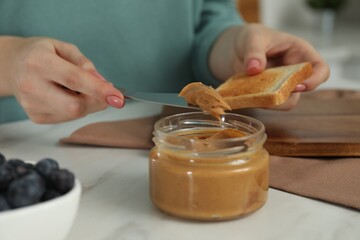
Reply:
x=324, y=123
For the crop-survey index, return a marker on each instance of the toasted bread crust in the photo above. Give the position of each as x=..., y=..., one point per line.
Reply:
x=258, y=92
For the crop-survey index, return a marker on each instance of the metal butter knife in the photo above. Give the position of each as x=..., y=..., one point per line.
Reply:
x=170, y=99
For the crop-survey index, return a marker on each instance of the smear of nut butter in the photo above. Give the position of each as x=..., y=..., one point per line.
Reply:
x=205, y=97
x=228, y=133
x=203, y=144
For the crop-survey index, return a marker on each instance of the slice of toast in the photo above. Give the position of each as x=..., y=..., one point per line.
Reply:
x=270, y=87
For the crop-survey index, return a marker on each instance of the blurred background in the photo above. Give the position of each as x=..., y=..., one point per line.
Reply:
x=332, y=26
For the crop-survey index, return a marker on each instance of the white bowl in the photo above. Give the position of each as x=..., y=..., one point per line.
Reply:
x=49, y=220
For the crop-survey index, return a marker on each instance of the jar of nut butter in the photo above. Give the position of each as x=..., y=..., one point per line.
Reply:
x=205, y=169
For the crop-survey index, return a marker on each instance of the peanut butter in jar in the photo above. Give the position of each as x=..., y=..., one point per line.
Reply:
x=205, y=169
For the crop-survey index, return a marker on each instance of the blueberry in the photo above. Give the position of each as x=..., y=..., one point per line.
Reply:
x=4, y=205
x=46, y=166
x=22, y=170
x=13, y=163
x=26, y=190
x=6, y=176
x=19, y=167
x=29, y=166
x=62, y=180
x=2, y=159
x=50, y=194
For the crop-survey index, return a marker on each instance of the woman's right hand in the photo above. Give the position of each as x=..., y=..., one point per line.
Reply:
x=52, y=80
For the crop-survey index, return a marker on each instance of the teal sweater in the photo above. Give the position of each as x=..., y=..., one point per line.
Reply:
x=147, y=45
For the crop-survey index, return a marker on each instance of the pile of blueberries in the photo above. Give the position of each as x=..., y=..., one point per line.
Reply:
x=24, y=184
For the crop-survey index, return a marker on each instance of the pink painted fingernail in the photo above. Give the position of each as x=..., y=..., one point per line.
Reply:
x=253, y=64
x=253, y=67
x=115, y=101
x=300, y=88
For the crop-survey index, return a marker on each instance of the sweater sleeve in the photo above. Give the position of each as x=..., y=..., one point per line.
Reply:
x=215, y=17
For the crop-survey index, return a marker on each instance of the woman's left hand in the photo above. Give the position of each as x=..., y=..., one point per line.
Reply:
x=253, y=47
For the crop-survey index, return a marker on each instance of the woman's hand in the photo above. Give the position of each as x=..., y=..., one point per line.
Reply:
x=253, y=47
x=52, y=80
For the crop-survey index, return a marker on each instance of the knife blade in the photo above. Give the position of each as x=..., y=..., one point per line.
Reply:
x=170, y=99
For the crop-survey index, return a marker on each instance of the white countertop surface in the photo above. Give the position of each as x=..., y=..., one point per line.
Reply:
x=115, y=203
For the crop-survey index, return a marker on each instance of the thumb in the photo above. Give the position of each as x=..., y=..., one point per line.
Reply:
x=254, y=56
x=253, y=66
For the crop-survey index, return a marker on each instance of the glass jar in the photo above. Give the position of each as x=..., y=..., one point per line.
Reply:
x=197, y=177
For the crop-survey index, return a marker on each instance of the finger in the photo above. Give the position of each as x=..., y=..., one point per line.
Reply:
x=84, y=82
x=93, y=105
x=68, y=106
x=61, y=103
x=253, y=66
x=301, y=51
x=52, y=113
x=300, y=88
x=321, y=73
x=42, y=118
x=37, y=111
x=254, y=55
x=71, y=53
x=58, y=105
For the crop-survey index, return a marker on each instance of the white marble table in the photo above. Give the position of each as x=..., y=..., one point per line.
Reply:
x=115, y=202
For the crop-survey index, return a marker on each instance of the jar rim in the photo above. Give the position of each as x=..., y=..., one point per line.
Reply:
x=163, y=129
x=259, y=131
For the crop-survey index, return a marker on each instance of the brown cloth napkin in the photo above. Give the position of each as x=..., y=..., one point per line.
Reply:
x=134, y=133
x=334, y=180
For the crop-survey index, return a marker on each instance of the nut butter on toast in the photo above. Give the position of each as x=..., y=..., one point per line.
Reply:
x=271, y=87
x=205, y=97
